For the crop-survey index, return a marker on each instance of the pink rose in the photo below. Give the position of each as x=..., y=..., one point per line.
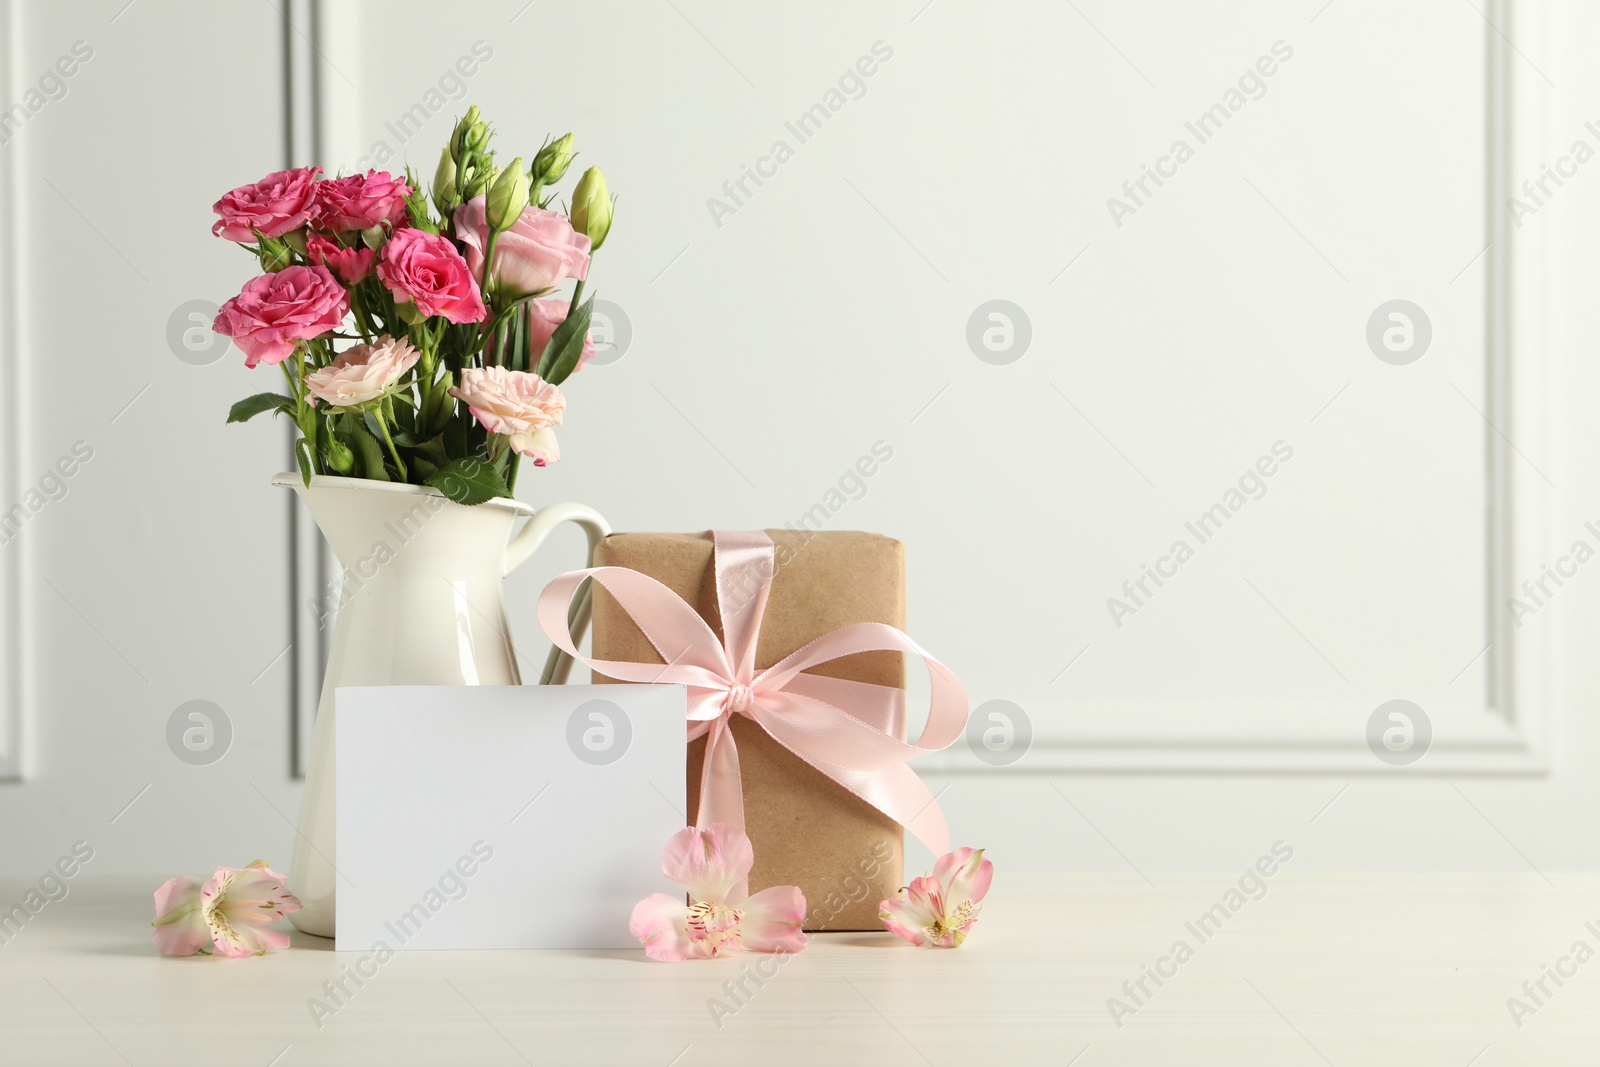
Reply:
x=359, y=202
x=274, y=311
x=521, y=406
x=539, y=250
x=350, y=264
x=278, y=203
x=363, y=373
x=543, y=317
x=425, y=269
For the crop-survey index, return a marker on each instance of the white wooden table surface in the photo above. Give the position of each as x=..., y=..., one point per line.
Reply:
x=1323, y=969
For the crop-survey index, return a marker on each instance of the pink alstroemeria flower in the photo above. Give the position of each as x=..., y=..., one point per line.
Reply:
x=939, y=909
x=229, y=915
x=712, y=864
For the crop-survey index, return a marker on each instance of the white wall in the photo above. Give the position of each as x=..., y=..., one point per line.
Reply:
x=775, y=343
x=161, y=576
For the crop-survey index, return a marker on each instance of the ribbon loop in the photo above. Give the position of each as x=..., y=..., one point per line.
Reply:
x=850, y=731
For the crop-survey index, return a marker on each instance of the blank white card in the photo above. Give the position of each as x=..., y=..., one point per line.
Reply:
x=503, y=816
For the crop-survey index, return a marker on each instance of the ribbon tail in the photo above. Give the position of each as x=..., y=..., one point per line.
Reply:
x=721, y=790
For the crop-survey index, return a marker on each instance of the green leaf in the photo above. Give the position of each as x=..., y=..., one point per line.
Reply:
x=372, y=459
x=433, y=448
x=402, y=411
x=468, y=481
x=302, y=455
x=251, y=406
x=565, y=347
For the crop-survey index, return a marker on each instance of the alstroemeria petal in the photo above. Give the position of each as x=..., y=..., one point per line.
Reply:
x=772, y=920
x=926, y=891
x=906, y=916
x=709, y=862
x=180, y=893
x=235, y=941
x=239, y=903
x=180, y=929
x=260, y=892
x=963, y=875
x=660, y=923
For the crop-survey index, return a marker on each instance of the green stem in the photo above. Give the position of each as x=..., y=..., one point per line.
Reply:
x=363, y=318
x=305, y=416
x=488, y=268
x=488, y=258
x=577, y=297
x=425, y=376
x=294, y=390
x=383, y=424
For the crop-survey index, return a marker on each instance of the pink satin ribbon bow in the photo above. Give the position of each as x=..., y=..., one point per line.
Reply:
x=847, y=730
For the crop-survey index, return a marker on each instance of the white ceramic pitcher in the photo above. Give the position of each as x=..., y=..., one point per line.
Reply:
x=421, y=605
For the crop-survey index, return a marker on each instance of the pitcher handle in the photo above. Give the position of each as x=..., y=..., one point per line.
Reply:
x=558, y=665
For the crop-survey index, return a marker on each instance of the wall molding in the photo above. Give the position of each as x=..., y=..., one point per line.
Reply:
x=13, y=659
x=1504, y=731
x=320, y=60
x=311, y=564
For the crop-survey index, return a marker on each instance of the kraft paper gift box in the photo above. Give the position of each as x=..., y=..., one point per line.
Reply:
x=807, y=830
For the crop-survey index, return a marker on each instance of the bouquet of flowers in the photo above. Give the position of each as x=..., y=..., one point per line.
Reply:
x=453, y=347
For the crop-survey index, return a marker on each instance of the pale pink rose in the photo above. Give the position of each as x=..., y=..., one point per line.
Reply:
x=274, y=311
x=425, y=269
x=363, y=373
x=360, y=202
x=522, y=407
x=719, y=919
x=282, y=201
x=350, y=264
x=228, y=916
x=539, y=251
x=939, y=909
x=543, y=316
